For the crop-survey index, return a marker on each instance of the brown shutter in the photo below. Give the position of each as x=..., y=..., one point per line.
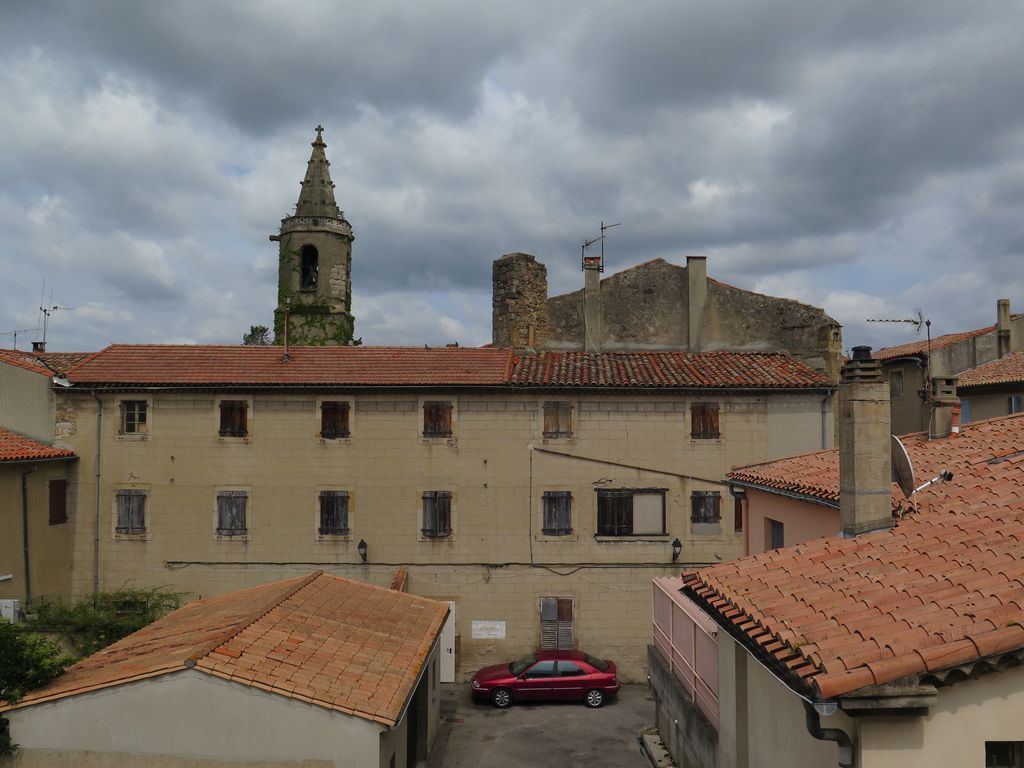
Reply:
x=58, y=491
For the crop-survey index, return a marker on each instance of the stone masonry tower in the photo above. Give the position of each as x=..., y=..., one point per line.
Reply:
x=315, y=263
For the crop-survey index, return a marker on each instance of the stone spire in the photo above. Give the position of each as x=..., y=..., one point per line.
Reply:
x=317, y=195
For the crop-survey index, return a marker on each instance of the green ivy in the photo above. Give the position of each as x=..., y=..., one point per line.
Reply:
x=101, y=619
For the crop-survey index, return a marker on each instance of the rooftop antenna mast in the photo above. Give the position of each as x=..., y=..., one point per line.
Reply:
x=918, y=322
x=588, y=243
x=15, y=333
x=46, y=310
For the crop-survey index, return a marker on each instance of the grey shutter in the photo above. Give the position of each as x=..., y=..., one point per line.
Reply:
x=231, y=513
x=556, y=624
x=131, y=511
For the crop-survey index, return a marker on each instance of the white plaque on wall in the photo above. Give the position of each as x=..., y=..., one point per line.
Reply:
x=488, y=630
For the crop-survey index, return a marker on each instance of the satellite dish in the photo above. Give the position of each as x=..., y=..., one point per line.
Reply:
x=902, y=468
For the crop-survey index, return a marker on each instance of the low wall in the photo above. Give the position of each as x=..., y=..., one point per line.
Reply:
x=685, y=732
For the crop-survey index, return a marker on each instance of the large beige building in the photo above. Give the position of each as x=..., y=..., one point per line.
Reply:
x=539, y=494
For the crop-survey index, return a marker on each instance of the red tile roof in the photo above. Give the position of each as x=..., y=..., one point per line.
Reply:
x=45, y=363
x=339, y=644
x=984, y=476
x=833, y=616
x=1008, y=370
x=715, y=370
x=151, y=365
x=14, y=447
x=920, y=347
x=219, y=365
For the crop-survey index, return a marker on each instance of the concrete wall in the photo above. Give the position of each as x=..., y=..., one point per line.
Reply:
x=802, y=520
x=989, y=405
x=497, y=563
x=49, y=545
x=967, y=715
x=646, y=308
x=189, y=718
x=908, y=412
x=26, y=403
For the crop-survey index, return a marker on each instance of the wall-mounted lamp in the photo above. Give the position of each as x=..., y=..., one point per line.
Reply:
x=677, y=547
x=361, y=546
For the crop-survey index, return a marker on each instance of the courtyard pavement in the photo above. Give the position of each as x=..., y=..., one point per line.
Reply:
x=552, y=734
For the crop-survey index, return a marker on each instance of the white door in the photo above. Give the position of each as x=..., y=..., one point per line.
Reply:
x=448, y=647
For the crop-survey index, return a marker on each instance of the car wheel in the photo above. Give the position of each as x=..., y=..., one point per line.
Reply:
x=501, y=698
x=594, y=698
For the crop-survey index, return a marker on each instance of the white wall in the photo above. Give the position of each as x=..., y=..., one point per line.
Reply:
x=190, y=714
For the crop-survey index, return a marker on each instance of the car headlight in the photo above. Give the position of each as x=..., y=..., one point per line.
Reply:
x=474, y=683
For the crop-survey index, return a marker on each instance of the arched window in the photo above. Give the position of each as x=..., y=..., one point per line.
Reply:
x=308, y=268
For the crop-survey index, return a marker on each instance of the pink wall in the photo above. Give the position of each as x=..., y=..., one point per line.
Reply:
x=802, y=520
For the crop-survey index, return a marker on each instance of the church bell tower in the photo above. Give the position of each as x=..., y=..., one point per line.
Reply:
x=315, y=264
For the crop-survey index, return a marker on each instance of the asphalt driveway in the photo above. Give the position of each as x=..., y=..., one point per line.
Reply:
x=552, y=734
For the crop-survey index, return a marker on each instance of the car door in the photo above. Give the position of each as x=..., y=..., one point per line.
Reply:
x=537, y=682
x=571, y=681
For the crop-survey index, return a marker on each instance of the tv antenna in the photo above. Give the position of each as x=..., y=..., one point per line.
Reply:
x=918, y=322
x=46, y=309
x=15, y=333
x=584, y=262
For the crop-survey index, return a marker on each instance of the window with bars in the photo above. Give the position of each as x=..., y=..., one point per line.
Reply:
x=58, y=497
x=333, y=513
x=234, y=418
x=131, y=512
x=631, y=512
x=334, y=419
x=556, y=624
x=557, y=418
x=704, y=421
x=437, y=514
x=231, y=509
x=706, y=507
x=133, y=417
x=557, y=513
x=437, y=418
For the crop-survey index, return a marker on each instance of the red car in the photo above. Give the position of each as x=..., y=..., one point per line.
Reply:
x=547, y=676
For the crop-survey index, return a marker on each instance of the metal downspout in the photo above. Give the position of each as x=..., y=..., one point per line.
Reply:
x=96, y=514
x=839, y=736
x=24, y=533
x=824, y=421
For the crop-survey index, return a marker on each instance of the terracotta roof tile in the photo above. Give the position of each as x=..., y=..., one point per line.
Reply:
x=44, y=363
x=983, y=458
x=920, y=346
x=715, y=370
x=877, y=616
x=1007, y=370
x=15, y=447
x=340, y=644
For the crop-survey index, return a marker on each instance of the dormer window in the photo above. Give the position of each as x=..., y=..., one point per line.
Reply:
x=309, y=268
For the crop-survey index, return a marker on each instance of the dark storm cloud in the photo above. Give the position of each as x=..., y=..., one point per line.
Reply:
x=861, y=155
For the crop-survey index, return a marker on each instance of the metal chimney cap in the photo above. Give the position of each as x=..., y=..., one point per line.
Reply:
x=861, y=353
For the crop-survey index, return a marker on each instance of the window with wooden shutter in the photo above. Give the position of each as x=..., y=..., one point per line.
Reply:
x=437, y=418
x=556, y=624
x=231, y=507
x=557, y=418
x=631, y=512
x=131, y=512
x=58, y=493
x=706, y=507
x=557, y=513
x=437, y=514
x=704, y=421
x=334, y=419
x=333, y=513
x=234, y=418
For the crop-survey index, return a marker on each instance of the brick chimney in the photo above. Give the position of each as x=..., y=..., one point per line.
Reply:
x=696, y=300
x=592, y=339
x=519, y=302
x=945, y=418
x=865, y=464
x=1003, y=327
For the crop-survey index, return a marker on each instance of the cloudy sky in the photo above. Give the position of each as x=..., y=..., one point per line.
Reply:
x=866, y=157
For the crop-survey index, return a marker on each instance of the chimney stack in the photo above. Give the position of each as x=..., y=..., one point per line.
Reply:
x=945, y=418
x=696, y=300
x=38, y=346
x=865, y=464
x=592, y=340
x=1003, y=327
x=519, y=302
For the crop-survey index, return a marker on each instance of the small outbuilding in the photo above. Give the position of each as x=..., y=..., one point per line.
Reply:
x=311, y=671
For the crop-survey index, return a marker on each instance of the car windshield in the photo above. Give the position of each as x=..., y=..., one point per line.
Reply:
x=597, y=663
x=518, y=667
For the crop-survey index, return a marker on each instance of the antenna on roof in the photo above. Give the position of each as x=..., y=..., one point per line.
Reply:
x=917, y=322
x=587, y=243
x=16, y=332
